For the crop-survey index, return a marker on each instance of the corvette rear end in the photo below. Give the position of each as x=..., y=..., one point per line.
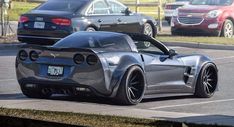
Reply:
x=64, y=70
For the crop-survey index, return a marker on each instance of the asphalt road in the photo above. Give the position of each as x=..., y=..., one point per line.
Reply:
x=221, y=104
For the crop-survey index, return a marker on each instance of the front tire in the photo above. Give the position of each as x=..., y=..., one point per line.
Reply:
x=207, y=81
x=228, y=29
x=132, y=87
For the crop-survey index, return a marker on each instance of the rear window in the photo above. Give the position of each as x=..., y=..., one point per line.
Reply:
x=113, y=43
x=62, y=5
x=212, y=2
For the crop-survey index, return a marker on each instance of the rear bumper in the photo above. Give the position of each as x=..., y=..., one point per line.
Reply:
x=41, y=36
x=84, y=76
x=207, y=26
x=58, y=87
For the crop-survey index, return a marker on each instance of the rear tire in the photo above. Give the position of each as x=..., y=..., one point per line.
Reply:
x=228, y=29
x=207, y=81
x=132, y=87
x=40, y=93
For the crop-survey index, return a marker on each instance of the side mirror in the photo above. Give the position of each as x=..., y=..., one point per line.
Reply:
x=127, y=11
x=172, y=53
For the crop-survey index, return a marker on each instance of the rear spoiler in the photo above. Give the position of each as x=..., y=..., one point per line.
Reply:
x=50, y=48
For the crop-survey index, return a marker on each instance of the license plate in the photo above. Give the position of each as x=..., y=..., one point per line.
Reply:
x=39, y=25
x=55, y=70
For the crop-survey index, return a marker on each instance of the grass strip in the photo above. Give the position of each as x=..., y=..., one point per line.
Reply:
x=197, y=39
x=20, y=8
x=91, y=119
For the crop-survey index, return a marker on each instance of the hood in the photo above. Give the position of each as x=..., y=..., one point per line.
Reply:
x=198, y=8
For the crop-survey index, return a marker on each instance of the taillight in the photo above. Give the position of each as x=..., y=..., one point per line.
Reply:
x=23, y=19
x=78, y=59
x=61, y=21
x=91, y=59
x=22, y=55
x=33, y=55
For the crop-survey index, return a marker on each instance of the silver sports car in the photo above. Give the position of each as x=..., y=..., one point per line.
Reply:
x=125, y=67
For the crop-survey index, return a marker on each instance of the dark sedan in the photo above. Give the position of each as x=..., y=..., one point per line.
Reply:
x=56, y=19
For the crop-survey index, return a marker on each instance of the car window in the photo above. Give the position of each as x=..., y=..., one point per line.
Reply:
x=147, y=47
x=99, y=7
x=82, y=40
x=212, y=2
x=62, y=5
x=116, y=8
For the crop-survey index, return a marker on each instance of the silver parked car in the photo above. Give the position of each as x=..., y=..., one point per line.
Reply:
x=120, y=66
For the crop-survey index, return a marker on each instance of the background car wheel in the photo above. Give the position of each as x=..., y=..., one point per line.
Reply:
x=207, y=81
x=227, y=30
x=90, y=29
x=36, y=92
x=148, y=30
x=132, y=87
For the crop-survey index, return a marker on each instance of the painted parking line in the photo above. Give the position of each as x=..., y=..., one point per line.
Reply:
x=222, y=58
x=192, y=104
x=6, y=80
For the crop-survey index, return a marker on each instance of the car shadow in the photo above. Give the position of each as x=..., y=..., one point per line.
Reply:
x=88, y=98
x=168, y=98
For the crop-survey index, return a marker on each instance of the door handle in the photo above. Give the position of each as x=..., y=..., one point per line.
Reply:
x=119, y=20
x=99, y=20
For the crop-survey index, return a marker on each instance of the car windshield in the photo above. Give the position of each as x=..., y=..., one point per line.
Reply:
x=84, y=40
x=62, y=5
x=212, y=2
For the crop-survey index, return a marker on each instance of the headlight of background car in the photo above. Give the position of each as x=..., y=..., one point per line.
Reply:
x=175, y=13
x=214, y=13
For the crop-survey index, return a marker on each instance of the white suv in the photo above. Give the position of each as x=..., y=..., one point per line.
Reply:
x=171, y=7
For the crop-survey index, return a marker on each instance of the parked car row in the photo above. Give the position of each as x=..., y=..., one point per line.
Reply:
x=48, y=23
x=56, y=19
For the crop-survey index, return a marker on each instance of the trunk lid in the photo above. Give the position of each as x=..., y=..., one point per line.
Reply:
x=43, y=20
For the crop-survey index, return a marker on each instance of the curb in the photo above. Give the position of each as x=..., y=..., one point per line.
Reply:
x=200, y=45
x=11, y=46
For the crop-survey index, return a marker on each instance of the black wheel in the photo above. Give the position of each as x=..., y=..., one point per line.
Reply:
x=90, y=29
x=207, y=81
x=227, y=30
x=36, y=92
x=148, y=30
x=132, y=87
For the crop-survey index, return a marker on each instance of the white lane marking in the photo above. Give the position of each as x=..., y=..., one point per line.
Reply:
x=221, y=58
x=5, y=80
x=191, y=104
x=175, y=47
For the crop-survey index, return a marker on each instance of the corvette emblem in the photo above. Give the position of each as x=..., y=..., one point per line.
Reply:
x=54, y=55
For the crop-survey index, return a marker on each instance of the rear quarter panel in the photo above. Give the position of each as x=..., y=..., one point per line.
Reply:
x=116, y=64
